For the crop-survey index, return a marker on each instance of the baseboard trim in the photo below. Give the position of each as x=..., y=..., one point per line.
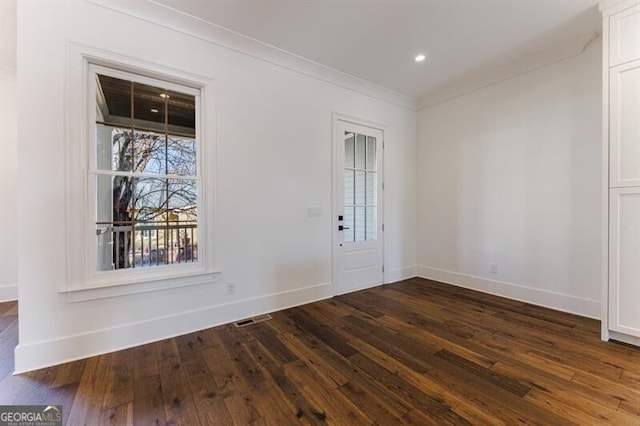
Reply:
x=8, y=293
x=399, y=274
x=558, y=301
x=624, y=338
x=33, y=356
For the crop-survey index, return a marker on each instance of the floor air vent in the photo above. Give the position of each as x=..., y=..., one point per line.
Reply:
x=253, y=320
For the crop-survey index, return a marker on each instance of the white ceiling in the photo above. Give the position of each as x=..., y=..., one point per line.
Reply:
x=376, y=40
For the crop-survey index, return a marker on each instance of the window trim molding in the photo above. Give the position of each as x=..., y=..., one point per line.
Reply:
x=82, y=282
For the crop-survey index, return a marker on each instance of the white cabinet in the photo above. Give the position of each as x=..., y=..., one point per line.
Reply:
x=624, y=125
x=625, y=36
x=624, y=260
x=621, y=176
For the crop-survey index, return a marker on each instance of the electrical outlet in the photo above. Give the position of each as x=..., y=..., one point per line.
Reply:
x=493, y=268
x=231, y=288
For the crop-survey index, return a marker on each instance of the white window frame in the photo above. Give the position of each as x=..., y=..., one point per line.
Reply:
x=83, y=281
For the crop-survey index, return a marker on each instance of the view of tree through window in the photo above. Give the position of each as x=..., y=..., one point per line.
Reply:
x=146, y=175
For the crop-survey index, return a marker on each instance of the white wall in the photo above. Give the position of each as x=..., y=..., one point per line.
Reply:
x=274, y=160
x=8, y=153
x=510, y=174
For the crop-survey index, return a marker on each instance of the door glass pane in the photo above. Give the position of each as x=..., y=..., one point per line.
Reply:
x=372, y=193
x=371, y=219
x=359, y=223
x=371, y=153
x=360, y=151
x=360, y=188
x=348, y=225
x=349, y=180
x=349, y=147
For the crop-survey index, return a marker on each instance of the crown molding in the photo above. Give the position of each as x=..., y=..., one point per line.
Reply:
x=167, y=17
x=511, y=70
x=609, y=7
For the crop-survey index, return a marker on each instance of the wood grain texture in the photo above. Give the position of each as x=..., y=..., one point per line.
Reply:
x=413, y=352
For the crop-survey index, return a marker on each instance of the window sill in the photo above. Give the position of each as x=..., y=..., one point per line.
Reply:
x=107, y=285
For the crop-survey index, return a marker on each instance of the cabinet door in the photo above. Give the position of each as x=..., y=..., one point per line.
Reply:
x=624, y=125
x=625, y=36
x=624, y=261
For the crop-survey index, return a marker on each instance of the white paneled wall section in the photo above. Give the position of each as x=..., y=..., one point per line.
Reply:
x=621, y=185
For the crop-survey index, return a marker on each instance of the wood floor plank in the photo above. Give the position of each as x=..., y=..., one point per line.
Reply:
x=426, y=339
x=87, y=405
x=119, y=380
x=179, y=407
x=412, y=352
x=145, y=362
x=375, y=407
x=224, y=372
x=393, y=344
x=629, y=397
x=595, y=403
x=208, y=399
x=148, y=405
x=434, y=405
x=68, y=373
x=505, y=382
x=121, y=415
x=326, y=334
x=245, y=366
x=292, y=393
x=321, y=365
x=332, y=406
x=334, y=370
x=242, y=409
x=464, y=406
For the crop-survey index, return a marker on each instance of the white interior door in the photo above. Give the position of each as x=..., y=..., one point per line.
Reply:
x=624, y=267
x=358, y=226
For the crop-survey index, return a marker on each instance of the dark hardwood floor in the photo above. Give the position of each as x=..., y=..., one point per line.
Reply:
x=415, y=352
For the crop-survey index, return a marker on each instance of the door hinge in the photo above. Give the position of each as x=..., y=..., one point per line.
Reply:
x=383, y=227
x=383, y=186
x=382, y=268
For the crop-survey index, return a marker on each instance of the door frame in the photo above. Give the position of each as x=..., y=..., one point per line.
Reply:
x=335, y=140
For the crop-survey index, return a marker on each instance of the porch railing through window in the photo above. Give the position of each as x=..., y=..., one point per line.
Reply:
x=143, y=245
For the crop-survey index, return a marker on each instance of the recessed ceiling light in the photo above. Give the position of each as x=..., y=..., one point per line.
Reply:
x=164, y=95
x=153, y=110
x=421, y=57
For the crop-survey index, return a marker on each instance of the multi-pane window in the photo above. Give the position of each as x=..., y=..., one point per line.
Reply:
x=360, y=188
x=145, y=171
